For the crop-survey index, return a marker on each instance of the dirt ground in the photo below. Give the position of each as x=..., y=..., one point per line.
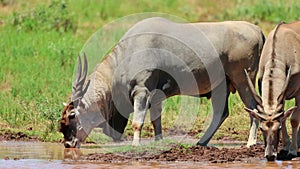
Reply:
x=181, y=153
x=18, y=136
x=193, y=154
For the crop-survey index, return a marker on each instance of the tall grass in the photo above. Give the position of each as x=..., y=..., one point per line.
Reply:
x=36, y=66
x=35, y=75
x=265, y=10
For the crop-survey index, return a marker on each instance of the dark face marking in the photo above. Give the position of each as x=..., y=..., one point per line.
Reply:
x=68, y=126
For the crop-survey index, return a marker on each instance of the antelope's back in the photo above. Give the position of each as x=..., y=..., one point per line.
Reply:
x=209, y=50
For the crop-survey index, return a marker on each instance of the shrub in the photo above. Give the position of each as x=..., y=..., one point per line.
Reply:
x=55, y=16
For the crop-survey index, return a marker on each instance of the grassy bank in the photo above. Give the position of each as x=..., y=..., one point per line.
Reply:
x=40, y=42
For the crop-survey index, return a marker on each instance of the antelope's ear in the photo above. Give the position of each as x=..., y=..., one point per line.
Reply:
x=254, y=113
x=288, y=112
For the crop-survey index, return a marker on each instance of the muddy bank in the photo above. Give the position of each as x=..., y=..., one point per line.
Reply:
x=181, y=153
x=17, y=136
x=177, y=152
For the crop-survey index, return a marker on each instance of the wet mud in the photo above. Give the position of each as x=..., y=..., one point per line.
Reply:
x=181, y=153
x=176, y=153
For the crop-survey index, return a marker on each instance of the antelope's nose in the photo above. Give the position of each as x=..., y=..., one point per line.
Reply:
x=270, y=157
x=68, y=145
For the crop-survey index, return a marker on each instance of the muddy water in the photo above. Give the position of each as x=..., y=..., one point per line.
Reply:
x=50, y=155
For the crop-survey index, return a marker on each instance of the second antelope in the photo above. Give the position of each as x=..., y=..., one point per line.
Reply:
x=279, y=80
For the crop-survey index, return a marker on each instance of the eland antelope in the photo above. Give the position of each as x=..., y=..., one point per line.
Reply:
x=279, y=80
x=157, y=59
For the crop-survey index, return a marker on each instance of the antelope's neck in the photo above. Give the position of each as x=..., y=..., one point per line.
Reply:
x=272, y=83
x=100, y=88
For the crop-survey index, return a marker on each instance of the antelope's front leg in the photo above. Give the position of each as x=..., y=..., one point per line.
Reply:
x=298, y=137
x=295, y=118
x=141, y=105
x=285, y=138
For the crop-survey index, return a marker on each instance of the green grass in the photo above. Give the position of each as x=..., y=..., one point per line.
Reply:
x=35, y=77
x=37, y=54
x=35, y=74
x=152, y=147
x=265, y=10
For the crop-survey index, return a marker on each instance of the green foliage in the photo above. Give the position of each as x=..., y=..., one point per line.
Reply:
x=185, y=145
x=55, y=16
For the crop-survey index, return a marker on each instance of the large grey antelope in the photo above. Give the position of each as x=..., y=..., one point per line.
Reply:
x=279, y=80
x=157, y=59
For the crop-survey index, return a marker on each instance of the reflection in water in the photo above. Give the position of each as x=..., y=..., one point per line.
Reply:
x=51, y=155
x=287, y=164
x=30, y=150
x=72, y=154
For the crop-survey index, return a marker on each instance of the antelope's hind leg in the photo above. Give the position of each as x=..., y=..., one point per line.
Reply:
x=220, y=112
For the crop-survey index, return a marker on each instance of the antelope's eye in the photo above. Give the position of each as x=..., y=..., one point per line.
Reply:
x=72, y=115
x=279, y=128
x=261, y=129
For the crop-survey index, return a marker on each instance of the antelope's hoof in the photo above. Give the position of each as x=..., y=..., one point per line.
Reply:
x=282, y=155
x=201, y=144
x=285, y=155
x=159, y=137
x=135, y=143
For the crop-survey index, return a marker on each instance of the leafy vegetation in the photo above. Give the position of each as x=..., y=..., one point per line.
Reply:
x=55, y=16
x=41, y=39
